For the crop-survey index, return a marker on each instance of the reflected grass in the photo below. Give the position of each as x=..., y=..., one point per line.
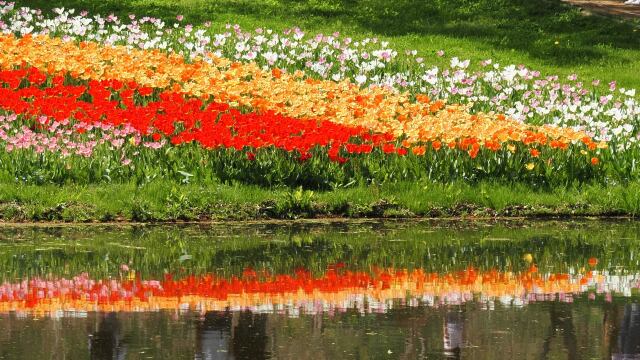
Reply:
x=440, y=247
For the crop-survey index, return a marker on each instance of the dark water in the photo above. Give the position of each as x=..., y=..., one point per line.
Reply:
x=548, y=290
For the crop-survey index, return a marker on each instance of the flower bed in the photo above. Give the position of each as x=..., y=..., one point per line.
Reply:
x=604, y=111
x=157, y=106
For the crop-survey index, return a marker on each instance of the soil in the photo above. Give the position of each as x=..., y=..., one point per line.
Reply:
x=608, y=7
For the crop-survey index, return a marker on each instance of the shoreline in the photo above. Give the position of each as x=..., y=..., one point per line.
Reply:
x=335, y=219
x=328, y=221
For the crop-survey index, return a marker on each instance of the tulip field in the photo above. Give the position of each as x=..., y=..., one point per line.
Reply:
x=90, y=99
x=319, y=179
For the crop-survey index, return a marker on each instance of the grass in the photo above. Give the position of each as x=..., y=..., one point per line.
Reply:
x=165, y=201
x=547, y=35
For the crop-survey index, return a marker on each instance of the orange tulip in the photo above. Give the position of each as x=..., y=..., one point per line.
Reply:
x=419, y=150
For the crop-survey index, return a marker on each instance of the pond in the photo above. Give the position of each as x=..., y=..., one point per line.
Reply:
x=322, y=290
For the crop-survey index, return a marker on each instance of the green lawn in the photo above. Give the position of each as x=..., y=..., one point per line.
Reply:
x=166, y=201
x=544, y=34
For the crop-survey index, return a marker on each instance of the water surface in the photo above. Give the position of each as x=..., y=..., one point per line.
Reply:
x=366, y=290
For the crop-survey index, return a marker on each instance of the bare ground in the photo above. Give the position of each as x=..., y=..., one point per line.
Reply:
x=608, y=7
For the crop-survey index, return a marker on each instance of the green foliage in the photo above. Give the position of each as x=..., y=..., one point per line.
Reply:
x=166, y=201
x=296, y=203
x=273, y=167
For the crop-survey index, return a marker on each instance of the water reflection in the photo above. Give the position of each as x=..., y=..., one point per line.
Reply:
x=107, y=342
x=336, y=290
x=629, y=334
x=453, y=333
x=378, y=292
x=214, y=335
x=541, y=330
x=561, y=326
x=341, y=313
x=227, y=334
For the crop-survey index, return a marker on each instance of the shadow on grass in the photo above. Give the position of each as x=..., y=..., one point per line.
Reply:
x=532, y=27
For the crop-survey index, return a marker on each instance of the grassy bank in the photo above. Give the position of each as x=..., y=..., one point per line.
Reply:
x=165, y=201
x=547, y=35
x=183, y=182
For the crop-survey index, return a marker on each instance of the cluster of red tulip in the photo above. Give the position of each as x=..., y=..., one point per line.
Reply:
x=181, y=119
